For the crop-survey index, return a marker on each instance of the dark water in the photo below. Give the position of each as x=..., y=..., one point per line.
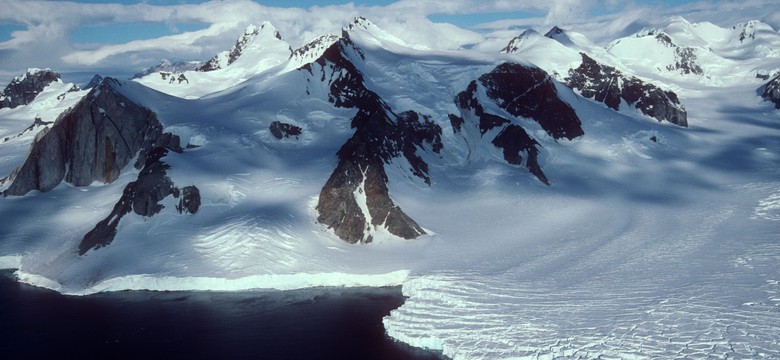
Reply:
x=302, y=324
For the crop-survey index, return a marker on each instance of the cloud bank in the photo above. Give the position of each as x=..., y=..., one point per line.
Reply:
x=46, y=38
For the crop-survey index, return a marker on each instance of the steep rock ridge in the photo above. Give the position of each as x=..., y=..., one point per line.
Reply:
x=313, y=50
x=142, y=197
x=771, y=91
x=225, y=58
x=23, y=89
x=91, y=142
x=608, y=85
x=354, y=201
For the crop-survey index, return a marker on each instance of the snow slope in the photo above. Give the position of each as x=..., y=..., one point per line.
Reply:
x=702, y=53
x=652, y=240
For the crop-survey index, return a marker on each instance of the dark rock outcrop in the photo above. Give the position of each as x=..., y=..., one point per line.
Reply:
x=610, y=86
x=23, y=89
x=92, y=141
x=189, y=203
x=142, y=197
x=554, y=32
x=381, y=135
x=529, y=92
x=522, y=91
x=282, y=130
x=514, y=140
x=685, y=59
x=772, y=91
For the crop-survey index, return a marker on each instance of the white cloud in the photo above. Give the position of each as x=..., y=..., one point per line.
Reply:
x=46, y=40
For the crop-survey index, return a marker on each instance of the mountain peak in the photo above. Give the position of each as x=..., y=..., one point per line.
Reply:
x=370, y=34
x=749, y=29
x=554, y=32
x=518, y=41
x=24, y=88
x=266, y=34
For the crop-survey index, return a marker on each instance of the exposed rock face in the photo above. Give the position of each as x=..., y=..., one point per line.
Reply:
x=23, y=89
x=314, y=49
x=608, y=85
x=521, y=91
x=142, y=197
x=772, y=91
x=359, y=181
x=685, y=60
x=189, y=202
x=749, y=29
x=529, y=92
x=91, y=142
x=282, y=130
x=554, y=32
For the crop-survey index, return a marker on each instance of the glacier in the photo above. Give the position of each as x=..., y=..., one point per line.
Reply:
x=651, y=241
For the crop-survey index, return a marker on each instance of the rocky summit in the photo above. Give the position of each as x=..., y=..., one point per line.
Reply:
x=23, y=89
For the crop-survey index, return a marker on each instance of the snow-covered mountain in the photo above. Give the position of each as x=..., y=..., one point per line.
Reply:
x=701, y=52
x=171, y=66
x=24, y=88
x=521, y=197
x=259, y=50
x=565, y=55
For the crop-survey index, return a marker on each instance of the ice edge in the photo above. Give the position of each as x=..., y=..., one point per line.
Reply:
x=251, y=282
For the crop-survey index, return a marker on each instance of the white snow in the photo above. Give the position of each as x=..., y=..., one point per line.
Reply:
x=252, y=282
x=637, y=249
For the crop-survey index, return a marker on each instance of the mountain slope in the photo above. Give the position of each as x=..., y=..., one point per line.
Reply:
x=536, y=211
x=569, y=61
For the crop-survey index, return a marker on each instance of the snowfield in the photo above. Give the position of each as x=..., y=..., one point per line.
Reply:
x=652, y=241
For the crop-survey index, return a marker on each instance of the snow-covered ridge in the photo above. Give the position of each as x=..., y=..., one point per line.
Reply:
x=372, y=35
x=255, y=38
x=506, y=263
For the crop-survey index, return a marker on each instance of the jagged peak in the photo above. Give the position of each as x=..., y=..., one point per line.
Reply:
x=554, y=32
x=314, y=49
x=518, y=41
x=24, y=88
x=372, y=34
x=36, y=72
x=360, y=22
x=252, y=33
x=265, y=27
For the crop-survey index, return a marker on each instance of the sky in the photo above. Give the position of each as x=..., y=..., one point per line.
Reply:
x=105, y=36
